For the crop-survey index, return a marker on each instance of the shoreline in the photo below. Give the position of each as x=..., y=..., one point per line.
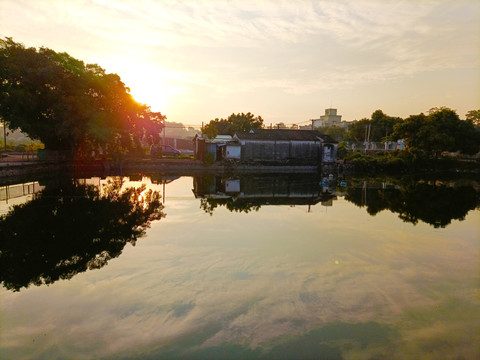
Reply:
x=11, y=171
x=19, y=169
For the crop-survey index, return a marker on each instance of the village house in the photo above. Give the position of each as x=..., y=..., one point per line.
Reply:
x=269, y=146
x=219, y=148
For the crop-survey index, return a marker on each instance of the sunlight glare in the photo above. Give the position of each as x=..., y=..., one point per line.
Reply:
x=147, y=85
x=150, y=91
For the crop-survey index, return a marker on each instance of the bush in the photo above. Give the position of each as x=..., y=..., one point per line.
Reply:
x=209, y=159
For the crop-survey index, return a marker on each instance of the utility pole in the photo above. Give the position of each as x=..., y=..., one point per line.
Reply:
x=4, y=135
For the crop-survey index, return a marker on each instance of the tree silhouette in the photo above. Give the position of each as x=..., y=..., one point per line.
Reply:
x=70, y=105
x=70, y=228
x=434, y=204
x=240, y=122
x=440, y=130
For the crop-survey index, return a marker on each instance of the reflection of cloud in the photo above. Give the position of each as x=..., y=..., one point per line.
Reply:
x=250, y=279
x=181, y=310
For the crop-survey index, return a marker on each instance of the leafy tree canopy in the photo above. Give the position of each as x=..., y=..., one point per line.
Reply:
x=335, y=132
x=234, y=123
x=473, y=116
x=440, y=130
x=70, y=105
x=377, y=128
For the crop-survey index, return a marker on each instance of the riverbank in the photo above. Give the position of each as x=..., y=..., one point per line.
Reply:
x=18, y=169
x=14, y=169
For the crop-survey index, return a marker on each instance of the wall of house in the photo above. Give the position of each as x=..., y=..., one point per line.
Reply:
x=211, y=149
x=233, y=152
x=300, y=151
x=182, y=144
x=199, y=149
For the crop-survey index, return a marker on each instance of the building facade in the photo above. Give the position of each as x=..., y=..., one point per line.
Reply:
x=286, y=146
x=331, y=118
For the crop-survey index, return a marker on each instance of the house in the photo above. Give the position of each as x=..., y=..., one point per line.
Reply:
x=219, y=148
x=286, y=146
x=269, y=146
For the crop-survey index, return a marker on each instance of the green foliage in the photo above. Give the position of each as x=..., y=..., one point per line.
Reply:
x=235, y=123
x=440, y=130
x=357, y=131
x=377, y=128
x=69, y=105
x=342, y=150
x=209, y=159
x=337, y=133
x=405, y=161
x=210, y=130
x=473, y=116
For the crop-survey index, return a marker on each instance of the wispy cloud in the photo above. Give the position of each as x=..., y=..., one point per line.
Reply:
x=296, y=47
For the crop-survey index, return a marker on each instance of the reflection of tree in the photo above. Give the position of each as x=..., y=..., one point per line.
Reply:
x=209, y=204
x=72, y=228
x=249, y=192
x=434, y=204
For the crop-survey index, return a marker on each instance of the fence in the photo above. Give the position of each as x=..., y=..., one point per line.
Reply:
x=14, y=191
x=18, y=156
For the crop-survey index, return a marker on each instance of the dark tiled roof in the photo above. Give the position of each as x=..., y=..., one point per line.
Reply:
x=284, y=134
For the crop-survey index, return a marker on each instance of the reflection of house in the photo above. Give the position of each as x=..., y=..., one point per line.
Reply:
x=285, y=189
x=269, y=145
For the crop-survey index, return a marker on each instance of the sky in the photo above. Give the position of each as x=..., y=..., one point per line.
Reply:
x=286, y=61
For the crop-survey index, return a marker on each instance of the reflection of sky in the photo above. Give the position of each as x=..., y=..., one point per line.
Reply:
x=253, y=278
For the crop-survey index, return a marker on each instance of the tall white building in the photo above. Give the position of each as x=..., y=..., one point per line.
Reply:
x=329, y=119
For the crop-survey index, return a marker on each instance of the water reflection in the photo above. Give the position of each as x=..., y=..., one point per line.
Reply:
x=434, y=202
x=69, y=228
x=278, y=283
x=250, y=192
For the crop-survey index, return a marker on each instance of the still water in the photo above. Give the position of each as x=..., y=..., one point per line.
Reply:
x=246, y=267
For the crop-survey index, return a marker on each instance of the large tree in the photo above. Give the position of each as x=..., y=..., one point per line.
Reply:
x=440, y=130
x=235, y=123
x=336, y=132
x=70, y=105
x=474, y=116
x=377, y=128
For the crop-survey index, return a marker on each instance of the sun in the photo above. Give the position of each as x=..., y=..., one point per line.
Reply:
x=147, y=83
x=149, y=91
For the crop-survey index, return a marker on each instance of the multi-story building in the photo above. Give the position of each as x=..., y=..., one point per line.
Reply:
x=329, y=119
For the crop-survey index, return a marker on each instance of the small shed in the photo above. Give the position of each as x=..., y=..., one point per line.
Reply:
x=286, y=145
x=232, y=150
x=221, y=147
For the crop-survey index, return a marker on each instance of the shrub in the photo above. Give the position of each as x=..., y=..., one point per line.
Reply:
x=209, y=159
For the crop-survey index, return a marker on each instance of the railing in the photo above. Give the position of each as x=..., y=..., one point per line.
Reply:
x=18, y=190
x=18, y=156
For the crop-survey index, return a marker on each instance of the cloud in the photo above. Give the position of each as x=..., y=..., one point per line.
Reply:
x=224, y=49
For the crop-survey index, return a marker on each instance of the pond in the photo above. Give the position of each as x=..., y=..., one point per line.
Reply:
x=290, y=266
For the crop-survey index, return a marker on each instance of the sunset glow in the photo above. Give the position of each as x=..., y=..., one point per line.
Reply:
x=286, y=61
x=148, y=88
